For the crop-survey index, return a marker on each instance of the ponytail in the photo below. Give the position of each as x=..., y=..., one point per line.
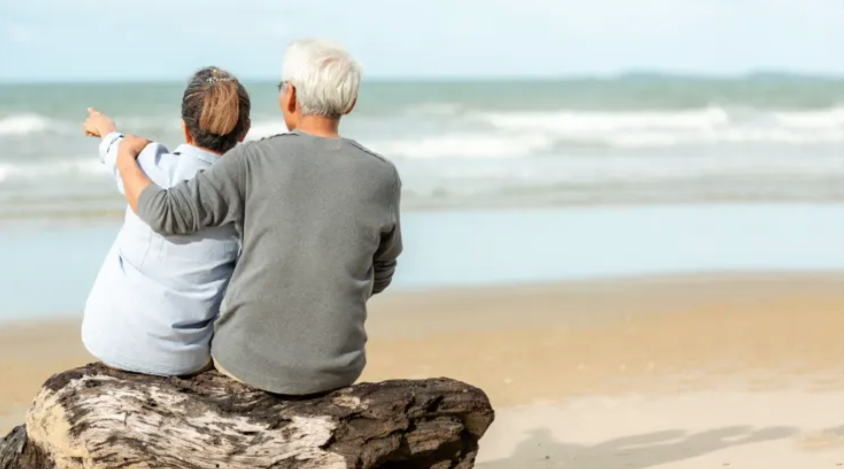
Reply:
x=215, y=108
x=221, y=108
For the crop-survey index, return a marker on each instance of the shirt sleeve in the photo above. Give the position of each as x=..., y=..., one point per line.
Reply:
x=108, y=156
x=214, y=197
x=149, y=159
x=390, y=247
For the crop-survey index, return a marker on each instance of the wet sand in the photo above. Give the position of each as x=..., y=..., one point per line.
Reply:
x=679, y=372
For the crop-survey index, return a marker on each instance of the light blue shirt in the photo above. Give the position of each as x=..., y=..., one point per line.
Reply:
x=155, y=299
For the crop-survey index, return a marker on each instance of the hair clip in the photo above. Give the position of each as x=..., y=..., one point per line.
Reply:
x=215, y=79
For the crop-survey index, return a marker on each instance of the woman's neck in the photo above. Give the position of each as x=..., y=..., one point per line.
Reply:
x=205, y=149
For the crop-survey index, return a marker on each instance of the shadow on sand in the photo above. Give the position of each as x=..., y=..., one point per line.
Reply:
x=542, y=451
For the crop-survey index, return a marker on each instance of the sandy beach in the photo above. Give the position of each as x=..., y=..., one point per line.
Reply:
x=739, y=371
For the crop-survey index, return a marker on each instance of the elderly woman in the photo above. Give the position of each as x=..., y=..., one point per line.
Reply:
x=320, y=216
x=154, y=302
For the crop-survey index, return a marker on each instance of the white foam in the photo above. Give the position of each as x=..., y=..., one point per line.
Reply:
x=23, y=124
x=738, y=135
x=520, y=144
x=481, y=145
x=653, y=129
x=832, y=118
x=589, y=122
x=266, y=129
x=79, y=166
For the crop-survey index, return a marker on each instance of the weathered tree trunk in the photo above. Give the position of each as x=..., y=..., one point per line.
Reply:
x=96, y=418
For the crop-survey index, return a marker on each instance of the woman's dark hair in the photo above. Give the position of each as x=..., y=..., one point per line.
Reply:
x=215, y=109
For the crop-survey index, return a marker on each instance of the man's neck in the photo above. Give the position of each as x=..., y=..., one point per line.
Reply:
x=320, y=126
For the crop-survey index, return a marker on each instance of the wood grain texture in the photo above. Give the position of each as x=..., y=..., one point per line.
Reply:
x=95, y=417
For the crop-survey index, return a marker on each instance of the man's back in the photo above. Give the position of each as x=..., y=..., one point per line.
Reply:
x=154, y=301
x=320, y=236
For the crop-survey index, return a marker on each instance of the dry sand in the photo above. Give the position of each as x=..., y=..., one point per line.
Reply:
x=739, y=371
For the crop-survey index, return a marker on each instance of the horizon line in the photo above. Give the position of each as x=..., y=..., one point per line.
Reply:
x=629, y=74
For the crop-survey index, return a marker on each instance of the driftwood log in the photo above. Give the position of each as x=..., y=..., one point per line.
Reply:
x=98, y=418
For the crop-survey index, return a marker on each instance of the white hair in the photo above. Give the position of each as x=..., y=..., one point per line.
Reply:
x=326, y=77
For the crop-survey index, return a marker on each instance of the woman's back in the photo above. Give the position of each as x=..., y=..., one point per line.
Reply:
x=153, y=305
x=154, y=302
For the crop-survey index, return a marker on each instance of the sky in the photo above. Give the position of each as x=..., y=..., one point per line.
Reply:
x=58, y=40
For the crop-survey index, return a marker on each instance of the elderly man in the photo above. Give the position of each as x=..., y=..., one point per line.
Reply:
x=318, y=216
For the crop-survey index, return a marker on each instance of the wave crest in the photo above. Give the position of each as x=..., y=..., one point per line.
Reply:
x=23, y=124
x=520, y=134
x=582, y=122
x=464, y=146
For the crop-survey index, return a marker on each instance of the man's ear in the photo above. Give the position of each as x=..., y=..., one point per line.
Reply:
x=188, y=136
x=248, y=126
x=352, y=107
x=291, y=99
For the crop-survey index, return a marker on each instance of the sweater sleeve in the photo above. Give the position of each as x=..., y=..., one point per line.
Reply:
x=150, y=160
x=213, y=197
x=390, y=247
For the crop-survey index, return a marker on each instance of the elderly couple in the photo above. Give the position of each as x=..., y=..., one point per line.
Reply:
x=257, y=259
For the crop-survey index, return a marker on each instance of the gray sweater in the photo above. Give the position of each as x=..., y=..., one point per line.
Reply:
x=319, y=223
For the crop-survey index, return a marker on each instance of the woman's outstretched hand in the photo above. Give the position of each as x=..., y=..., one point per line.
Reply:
x=98, y=124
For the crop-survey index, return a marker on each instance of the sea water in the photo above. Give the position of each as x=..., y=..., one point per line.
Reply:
x=48, y=273
x=631, y=139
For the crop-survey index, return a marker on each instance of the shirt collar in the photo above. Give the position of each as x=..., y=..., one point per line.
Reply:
x=198, y=153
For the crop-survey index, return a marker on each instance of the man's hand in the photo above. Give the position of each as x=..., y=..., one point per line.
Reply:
x=98, y=124
x=131, y=146
x=134, y=179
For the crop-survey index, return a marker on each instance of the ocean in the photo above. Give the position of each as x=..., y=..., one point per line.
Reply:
x=504, y=182
x=627, y=140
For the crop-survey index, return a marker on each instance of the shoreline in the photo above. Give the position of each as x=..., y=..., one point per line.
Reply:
x=701, y=370
x=113, y=216
x=444, y=249
x=397, y=295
